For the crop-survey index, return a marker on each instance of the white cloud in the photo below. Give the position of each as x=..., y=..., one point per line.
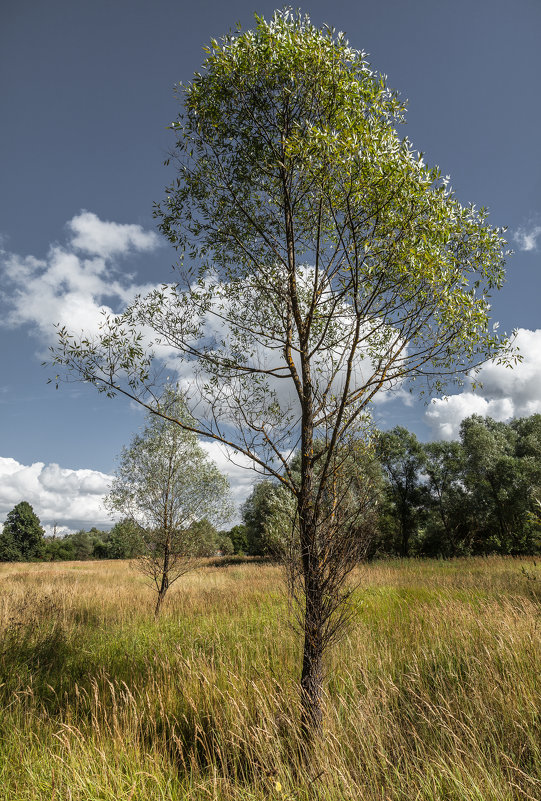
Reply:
x=236, y=466
x=506, y=392
x=69, y=288
x=107, y=239
x=446, y=414
x=526, y=239
x=69, y=497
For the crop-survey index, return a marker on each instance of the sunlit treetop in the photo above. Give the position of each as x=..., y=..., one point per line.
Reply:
x=321, y=261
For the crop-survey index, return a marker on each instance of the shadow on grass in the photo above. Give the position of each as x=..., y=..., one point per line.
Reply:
x=237, y=559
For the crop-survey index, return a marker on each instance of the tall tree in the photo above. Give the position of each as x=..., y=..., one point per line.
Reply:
x=321, y=262
x=402, y=458
x=22, y=535
x=165, y=483
x=502, y=473
x=256, y=513
x=451, y=526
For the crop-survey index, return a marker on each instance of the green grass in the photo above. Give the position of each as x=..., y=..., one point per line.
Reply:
x=434, y=691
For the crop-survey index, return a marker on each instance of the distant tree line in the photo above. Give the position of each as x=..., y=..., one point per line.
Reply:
x=477, y=495
x=23, y=539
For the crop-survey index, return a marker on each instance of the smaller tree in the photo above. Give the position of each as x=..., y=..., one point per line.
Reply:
x=22, y=536
x=166, y=483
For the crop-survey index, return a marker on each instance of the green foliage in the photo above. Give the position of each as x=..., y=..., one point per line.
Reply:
x=402, y=460
x=125, y=540
x=476, y=496
x=239, y=539
x=259, y=512
x=502, y=475
x=279, y=530
x=9, y=550
x=203, y=538
x=225, y=544
x=58, y=549
x=22, y=536
x=81, y=545
x=449, y=528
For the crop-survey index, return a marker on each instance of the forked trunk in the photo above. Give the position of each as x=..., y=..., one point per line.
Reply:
x=161, y=596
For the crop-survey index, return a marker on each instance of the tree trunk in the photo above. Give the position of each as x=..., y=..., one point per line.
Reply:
x=405, y=546
x=164, y=586
x=161, y=596
x=314, y=645
x=312, y=666
x=404, y=534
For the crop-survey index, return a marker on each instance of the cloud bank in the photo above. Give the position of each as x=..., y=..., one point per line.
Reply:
x=506, y=392
x=71, y=498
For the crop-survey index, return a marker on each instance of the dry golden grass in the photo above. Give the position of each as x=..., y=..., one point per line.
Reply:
x=433, y=693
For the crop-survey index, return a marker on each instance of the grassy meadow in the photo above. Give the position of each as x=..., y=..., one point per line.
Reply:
x=434, y=692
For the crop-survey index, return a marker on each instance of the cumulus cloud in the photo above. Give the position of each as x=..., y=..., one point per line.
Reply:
x=235, y=466
x=71, y=498
x=506, y=392
x=526, y=238
x=77, y=282
x=107, y=239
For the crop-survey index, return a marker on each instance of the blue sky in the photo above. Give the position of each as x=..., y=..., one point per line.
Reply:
x=86, y=95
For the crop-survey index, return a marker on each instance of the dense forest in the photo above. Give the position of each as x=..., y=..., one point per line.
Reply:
x=479, y=495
